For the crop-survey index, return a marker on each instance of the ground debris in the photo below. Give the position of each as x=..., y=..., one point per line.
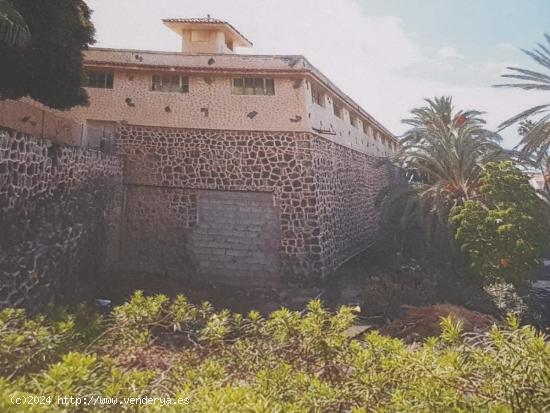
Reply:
x=421, y=322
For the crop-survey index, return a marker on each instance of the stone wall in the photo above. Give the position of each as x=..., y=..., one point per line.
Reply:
x=347, y=185
x=323, y=194
x=59, y=217
x=242, y=207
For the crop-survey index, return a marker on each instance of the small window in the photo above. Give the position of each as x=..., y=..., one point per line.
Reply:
x=170, y=83
x=353, y=120
x=200, y=36
x=317, y=97
x=337, y=107
x=253, y=86
x=98, y=79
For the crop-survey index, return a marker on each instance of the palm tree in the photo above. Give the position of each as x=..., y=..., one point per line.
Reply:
x=13, y=29
x=535, y=141
x=442, y=154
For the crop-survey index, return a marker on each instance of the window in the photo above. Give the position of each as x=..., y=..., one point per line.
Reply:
x=353, y=120
x=253, y=86
x=170, y=83
x=200, y=36
x=98, y=79
x=99, y=132
x=317, y=97
x=337, y=107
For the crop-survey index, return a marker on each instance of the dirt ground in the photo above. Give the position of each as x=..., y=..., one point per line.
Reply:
x=381, y=286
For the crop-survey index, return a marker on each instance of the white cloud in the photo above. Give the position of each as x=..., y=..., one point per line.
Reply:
x=507, y=47
x=449, y=52
x=372, y=58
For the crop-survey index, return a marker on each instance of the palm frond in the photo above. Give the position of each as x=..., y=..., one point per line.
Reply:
x=13, y=29
x=523, y=115
x=443, y=154
x=535, y=142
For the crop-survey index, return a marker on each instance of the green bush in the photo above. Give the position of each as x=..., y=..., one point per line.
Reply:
x=505, y=234
x=287, y=362
x=28, y=345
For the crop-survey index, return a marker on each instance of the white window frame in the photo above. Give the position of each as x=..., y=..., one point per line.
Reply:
x=253, y=86
x=108, y=78
x=159, y=85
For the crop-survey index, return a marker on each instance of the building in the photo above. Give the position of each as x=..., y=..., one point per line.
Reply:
x=237, y=167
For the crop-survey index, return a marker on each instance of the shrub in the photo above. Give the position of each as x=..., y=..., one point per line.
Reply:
x=28, y=345
x=287, y=362
x=506, y=235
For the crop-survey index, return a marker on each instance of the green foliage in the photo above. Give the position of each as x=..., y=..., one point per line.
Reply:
x=13, y=29
x=442, y=154
x=49, y=69
x=535, y=121
x=506, y=235
x=28, y=345
x=288, y=362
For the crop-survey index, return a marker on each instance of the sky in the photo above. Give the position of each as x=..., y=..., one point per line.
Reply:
x=388, y=55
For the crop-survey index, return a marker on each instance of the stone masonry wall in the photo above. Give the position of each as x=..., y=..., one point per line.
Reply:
x=59, y=217
x=190, y=159
x=347, y=184
x=323, y=192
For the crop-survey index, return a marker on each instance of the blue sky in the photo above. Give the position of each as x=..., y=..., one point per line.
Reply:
x=386, y=54
x=474, y=26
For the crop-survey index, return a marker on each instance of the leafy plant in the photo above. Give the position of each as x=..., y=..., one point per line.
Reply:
x=506, y=234
x=535, y=127
x=442, y=154
x=288, y=362
x=50, y=68
x=27, y=345
x=13, y=29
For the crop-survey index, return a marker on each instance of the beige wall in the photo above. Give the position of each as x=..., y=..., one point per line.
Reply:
x=34, y=119
x=322, y=117
x=213, y=42
x=209, y=104
x=292, y=99
x=210, y=77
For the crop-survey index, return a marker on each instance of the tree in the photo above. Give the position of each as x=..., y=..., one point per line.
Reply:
x=443, y=154
x=49, y=70
x=535, y=141
x=13, y=29
x=505, y=233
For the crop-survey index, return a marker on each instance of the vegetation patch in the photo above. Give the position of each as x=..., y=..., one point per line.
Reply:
x=287, y=362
